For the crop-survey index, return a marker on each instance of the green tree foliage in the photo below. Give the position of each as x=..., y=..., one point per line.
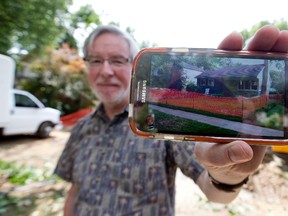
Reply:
x=147, y=43
x=52, y=70
x=85, y=15
x=59, y=80
x=68, y=38
x=193, y=87
x=161, y=68
x=31, y=25
x=41, y=35
x=203, y=62
x=281, y=24
x=66, y=93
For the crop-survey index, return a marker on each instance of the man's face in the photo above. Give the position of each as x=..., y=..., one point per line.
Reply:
x=110, y=69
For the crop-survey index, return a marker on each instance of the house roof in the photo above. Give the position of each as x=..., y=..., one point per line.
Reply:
x=191, y=67
x=234, y=71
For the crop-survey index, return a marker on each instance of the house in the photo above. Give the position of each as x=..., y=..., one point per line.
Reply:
x=180, y=75
x=183, y=74
x=190, y=72
x=240, y=80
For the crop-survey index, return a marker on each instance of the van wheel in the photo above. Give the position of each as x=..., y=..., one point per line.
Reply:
x=44, y=130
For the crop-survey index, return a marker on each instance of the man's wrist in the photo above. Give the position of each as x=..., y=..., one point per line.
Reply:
x=226, y=187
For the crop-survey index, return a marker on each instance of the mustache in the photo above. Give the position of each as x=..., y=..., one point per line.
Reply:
x=101, y=82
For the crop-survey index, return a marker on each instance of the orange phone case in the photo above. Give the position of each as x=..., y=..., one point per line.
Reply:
x=137, y=102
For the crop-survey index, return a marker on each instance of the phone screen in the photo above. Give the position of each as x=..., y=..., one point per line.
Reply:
x=206, y=94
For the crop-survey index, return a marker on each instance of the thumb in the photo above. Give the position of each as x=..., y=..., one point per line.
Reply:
x=221, y=155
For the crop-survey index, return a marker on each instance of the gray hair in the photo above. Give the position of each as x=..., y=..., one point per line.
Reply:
x=134, y=48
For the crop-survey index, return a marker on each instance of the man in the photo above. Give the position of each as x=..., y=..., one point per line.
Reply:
x=113, y=172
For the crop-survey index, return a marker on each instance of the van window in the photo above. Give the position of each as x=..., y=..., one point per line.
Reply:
x=24, y=101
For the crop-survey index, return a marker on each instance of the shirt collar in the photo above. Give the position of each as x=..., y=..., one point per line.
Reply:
x=100, y=113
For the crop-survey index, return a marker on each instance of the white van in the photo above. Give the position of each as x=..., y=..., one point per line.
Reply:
x=20, y=111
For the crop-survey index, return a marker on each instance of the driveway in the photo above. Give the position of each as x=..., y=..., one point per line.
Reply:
x=265, y=195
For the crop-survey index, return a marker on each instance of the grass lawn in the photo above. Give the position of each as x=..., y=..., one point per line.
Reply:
x=187, y=126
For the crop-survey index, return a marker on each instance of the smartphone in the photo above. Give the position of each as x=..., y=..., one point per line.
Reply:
x=210, y=95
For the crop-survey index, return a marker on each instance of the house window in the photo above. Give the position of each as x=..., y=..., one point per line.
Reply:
x=248, y=85
x=210, y=82
x=254, y=85
x=202, y=82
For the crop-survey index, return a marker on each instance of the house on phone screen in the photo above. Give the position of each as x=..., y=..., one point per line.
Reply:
x=240, y=80
x=181, y=74
x=191, y=72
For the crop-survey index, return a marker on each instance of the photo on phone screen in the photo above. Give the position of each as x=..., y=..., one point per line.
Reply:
x=201, y=94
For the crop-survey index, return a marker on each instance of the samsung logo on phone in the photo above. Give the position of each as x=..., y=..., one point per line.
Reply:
x=144, y=91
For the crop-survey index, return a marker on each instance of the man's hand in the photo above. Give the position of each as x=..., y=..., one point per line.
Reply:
x=268, y=38
x=231, y=163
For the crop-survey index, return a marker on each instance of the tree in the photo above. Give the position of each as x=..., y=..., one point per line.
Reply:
x=282, y=25
x=57, y=75
x=85, y=15
x=40, y=34
x=31, y=25
x=59, y=80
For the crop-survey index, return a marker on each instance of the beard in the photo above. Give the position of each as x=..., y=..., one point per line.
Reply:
x=112, y=95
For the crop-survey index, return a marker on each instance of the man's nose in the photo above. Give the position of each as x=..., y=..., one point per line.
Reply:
x=106, y=69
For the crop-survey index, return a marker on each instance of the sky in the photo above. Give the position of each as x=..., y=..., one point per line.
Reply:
x=186, y=23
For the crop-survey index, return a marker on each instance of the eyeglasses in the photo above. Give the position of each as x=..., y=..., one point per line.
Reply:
x=116, y=61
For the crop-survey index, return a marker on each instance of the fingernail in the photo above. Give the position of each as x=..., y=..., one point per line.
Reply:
x=237, y=154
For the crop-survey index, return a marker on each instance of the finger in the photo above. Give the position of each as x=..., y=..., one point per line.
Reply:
x=247, y=42
x=259, y=153
x=281, y=44
x=222, y=155
x=233, y=41
x=264, y=39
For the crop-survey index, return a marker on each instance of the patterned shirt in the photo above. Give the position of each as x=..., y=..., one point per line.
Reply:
x=120, y=173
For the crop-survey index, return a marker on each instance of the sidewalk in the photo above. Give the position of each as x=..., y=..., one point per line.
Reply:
x=222, y=123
